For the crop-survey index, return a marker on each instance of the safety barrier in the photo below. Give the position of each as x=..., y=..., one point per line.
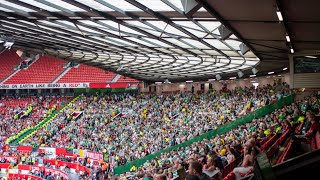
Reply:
x=23, y=170
x=74, y=167
x=221, y=130
x=26, y=169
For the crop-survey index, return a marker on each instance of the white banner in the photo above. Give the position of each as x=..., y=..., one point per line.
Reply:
x=49, y=152
x=44, y=86
x=93, y=155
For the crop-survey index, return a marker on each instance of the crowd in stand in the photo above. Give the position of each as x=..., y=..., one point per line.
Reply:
x=215, y=153
x=15, y=115
x=47, y=132
x=147, y=123
x=126, y=128
x=243, y=142
x=209, y=155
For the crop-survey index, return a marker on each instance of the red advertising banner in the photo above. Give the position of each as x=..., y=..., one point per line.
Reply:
x=56, y=172
x=4, y=165
x=24, y=148
x=61, y=151
x=110, y=85
x=24, y=167
x=50, y=152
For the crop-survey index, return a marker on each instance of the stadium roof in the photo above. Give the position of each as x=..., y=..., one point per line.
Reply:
x=154, y=39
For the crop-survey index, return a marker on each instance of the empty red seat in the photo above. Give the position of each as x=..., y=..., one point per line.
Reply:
x=44, y=70
x=86, y=73
x=8, y=60
x=126, y=79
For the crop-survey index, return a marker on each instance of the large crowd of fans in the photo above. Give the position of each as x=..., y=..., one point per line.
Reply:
x=129, y=127
x=18, y=113
x=147, y=124
x=215, y=153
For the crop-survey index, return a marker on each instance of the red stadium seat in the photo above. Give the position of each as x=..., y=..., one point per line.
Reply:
x=269, y=142
x=317, y=141
x=8, y=60
x=126, y=79
x=86, y=73
x=230, y=176
x=44, y=70
x=286, y=153
x=265, y=140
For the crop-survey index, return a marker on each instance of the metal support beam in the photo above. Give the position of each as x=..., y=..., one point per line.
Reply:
x=190, y=7
x=79, y=29
x=114, y=19
x=72, y=21
x=167, y=20
x=215, y=14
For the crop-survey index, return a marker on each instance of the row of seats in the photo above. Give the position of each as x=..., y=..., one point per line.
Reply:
x=46, y=69
x=126, y=79
x=268, y=144
x=6, y=104
x=273, y=146
x=289, y=146
x=8, y=60
x=279, y=142
x=85, y=73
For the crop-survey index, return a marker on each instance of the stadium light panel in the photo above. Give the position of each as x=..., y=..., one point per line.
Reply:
x=279, y=16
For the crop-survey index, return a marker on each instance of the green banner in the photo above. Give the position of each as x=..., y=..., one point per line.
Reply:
x=221, y=130
x=28, y=132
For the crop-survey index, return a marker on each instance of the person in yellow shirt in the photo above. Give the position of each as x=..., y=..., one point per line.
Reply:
x=223, y=151
x=222, y=140
x=267, y=132
x=133, y=168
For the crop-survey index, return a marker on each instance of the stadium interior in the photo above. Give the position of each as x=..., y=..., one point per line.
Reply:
x=159, y=89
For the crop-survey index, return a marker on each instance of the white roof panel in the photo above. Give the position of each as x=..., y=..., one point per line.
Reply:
x=155, y=5
x=16, y=6
x=151, y=43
